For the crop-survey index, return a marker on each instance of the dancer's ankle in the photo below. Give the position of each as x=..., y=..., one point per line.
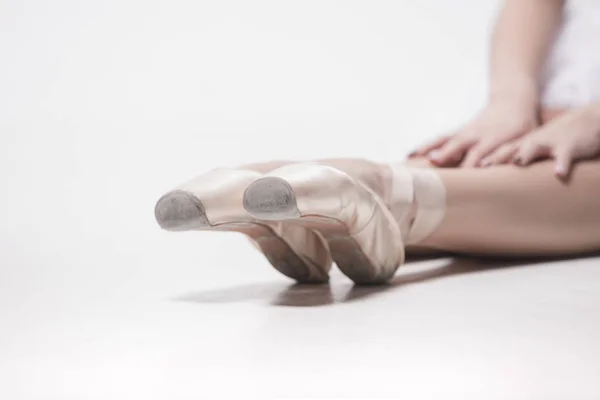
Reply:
x=417, y=201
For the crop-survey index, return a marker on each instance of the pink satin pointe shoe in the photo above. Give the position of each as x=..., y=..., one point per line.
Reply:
x=213, y=201
x=364, y=240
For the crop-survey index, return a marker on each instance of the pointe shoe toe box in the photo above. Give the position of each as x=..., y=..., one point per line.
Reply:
x=270, y=198
x=180, y=211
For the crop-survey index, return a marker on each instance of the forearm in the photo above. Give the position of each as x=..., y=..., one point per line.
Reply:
x=521, y=40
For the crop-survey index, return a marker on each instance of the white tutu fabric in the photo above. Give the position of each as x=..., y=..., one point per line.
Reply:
x=572, y=74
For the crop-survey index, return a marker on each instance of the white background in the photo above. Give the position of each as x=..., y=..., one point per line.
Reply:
x=105, y=105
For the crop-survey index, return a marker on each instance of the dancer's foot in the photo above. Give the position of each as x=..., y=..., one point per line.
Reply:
x=213, y=201
x=413, y=192
x=364, y=240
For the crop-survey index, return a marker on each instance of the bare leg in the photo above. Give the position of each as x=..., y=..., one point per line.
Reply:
x=508, y=210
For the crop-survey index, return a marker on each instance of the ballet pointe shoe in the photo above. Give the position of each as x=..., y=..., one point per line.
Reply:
x=364, y=240
x=213, y=201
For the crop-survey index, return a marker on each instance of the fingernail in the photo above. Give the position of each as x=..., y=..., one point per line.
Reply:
x=485, y=163
x=560, y=170
x=434, y=155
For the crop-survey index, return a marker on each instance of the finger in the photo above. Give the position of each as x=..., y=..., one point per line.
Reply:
x=502, y=155
x=530, y=151
x=570, y=150
x=452, y=152
x=423, y=150
x=564, y=161
x=473, y=157
x=477, y=153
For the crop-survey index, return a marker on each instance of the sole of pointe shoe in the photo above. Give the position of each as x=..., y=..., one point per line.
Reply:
x=182, y=211
x=273, y=199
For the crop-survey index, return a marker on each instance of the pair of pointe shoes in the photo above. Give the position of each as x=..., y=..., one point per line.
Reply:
x=301, y=217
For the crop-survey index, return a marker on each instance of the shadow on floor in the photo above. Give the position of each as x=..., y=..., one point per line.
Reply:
x=299, y=295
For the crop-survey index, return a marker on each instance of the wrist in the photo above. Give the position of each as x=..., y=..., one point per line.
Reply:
x=523, y=92
x=594, y=112
x=525, y=106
